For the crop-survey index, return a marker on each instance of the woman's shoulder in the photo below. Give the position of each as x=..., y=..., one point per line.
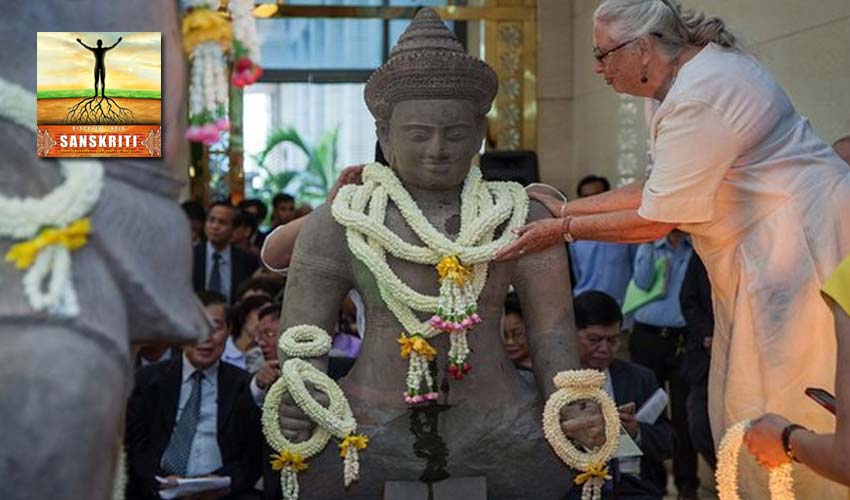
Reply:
x=731, y=84
x=723, y=77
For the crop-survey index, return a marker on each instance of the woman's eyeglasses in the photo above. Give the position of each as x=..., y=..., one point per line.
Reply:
x=601, y=56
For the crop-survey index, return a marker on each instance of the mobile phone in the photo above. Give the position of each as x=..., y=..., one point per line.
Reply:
x=822, y=397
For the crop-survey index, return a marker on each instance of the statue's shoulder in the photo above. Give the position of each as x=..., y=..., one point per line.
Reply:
x=322, y=243
x=321, y=227
x=537, y=211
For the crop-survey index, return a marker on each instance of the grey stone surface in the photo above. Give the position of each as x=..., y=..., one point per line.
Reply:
x=491, y=424
x=64, y=382
x=467, y=488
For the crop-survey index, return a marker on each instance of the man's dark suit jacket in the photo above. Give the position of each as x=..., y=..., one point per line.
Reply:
x=634, y=383
x=695, y=299
x=151, y=414
x=242, y=266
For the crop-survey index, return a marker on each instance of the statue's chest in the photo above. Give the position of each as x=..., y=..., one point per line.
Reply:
x=420, y=277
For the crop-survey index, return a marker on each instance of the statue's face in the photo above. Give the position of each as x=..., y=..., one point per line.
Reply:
x=430, y=144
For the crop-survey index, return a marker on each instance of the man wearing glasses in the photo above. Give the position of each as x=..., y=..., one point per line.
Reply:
x=598, y=322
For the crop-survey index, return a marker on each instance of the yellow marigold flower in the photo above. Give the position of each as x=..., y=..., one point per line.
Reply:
x=417, y=344
x=451, y=268
x=205, y=25
x=595, y=470
x=289, y=459
x=358, y=441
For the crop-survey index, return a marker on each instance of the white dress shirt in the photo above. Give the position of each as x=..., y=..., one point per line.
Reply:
x=205, y=455
x=232, y=354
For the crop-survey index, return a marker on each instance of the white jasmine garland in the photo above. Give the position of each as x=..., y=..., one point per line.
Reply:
x=24, y=218
x=245, y=27
x=576, y=385
x=484, y=207
x=208, y=84
x=781, y=484
x=336, y=420
x=304, y=341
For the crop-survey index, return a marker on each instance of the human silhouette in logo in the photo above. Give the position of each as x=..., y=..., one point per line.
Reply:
x=99, y=66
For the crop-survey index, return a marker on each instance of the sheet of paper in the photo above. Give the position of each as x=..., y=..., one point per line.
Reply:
x=653, y=407
x=190, y=485
x=627, y=446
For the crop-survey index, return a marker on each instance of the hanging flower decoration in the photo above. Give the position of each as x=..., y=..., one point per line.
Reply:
x=576, y=385
x=207, y=35
x=461, y=264
x=246, y=44
x=420, y=383
x=781, y=484
x=336, y=420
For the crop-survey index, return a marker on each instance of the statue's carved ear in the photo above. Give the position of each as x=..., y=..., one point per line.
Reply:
x=483, y=124
x=382, y=130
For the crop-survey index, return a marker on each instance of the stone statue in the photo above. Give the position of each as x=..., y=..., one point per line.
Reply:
x=65, y=380
x=429, y=102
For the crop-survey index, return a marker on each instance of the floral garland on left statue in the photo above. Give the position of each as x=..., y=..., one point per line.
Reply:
x=49, y=228
x=208, y=38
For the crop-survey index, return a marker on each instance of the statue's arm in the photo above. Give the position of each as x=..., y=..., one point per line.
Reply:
x=83, y=44
x=114, y=44
x=319, y=276
x=542, y=281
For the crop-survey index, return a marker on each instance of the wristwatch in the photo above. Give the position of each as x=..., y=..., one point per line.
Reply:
x=786, y=440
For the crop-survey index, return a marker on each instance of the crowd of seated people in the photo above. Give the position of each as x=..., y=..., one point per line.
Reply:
x=195, y=411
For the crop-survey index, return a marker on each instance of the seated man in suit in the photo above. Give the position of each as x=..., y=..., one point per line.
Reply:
x=598, y=322
x=194, y=416
x=218, y=266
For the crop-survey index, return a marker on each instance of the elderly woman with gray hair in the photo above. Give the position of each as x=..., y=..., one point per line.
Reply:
x=739, y=169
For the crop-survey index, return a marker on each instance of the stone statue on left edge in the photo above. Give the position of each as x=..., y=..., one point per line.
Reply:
x=65, y=381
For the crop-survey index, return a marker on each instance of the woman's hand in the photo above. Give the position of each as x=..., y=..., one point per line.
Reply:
x=534, y=237
x=554, y=204
x=764, y=440
x=349, y=175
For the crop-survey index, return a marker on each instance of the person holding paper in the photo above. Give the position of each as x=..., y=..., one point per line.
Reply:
x=658, y=340
x=194, y=417
x=598, y=322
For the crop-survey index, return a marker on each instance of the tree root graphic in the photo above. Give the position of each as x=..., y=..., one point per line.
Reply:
x=99, y=110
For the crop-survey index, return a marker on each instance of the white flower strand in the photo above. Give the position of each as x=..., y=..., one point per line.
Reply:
x=477, y=220
x=245, y=27
x=208, y=85
x=781, y=484
x=575, y=385
x=484, y=207
x=351, y=466
x=336, y=420
x=24, y=218
x=59, y=298
x=304, y=341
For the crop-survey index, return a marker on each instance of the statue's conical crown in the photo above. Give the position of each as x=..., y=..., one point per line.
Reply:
x=429, y=63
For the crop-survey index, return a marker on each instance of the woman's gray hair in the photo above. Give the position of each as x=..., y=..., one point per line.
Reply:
x=673, y=27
